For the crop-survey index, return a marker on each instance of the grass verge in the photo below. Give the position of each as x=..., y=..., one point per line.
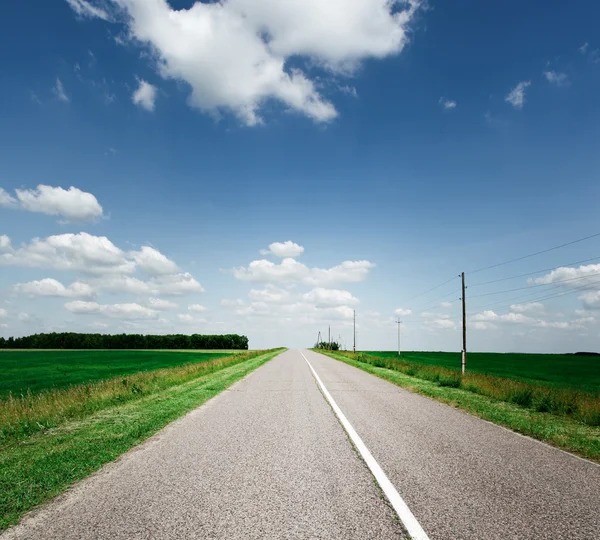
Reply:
x=563, y=431
x=35, y=466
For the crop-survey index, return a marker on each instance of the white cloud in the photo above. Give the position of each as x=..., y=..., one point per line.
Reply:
x=591, y=299
x=153, y=262
x=442, y=324
x=446, y=304
x=79, y=252
x=6, y=199
x=85, y=9
x=59, y=91
x=516, y=97
x=175, y=284
x=485, y=316
x=52, y=287
x=161, y=305
x=3, y=312
x=269, y=294
x=196, y=308
x=584, y=48
x=72, y=204
x=145, y=95
x=189, y=319
x=5, y=244
x=530, y=307
x=123, y=284
x=403, y=312
x=234, y=53
x=484, y=326
x=232, y=303
x=291, y=271
x=583, y=275
x=117, y=311
x=559, y=79
x=321, y=297
x=283, y=249
x=447, y=103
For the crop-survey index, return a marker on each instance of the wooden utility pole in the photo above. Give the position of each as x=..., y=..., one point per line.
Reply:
x=354, y=346
x=464, y=325
x=329, y=337
x=399, y=323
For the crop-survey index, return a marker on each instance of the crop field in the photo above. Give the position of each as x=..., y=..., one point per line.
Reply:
x=557, y=370
x=36, y=370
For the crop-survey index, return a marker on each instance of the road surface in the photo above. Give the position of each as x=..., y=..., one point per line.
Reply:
x=268, y=458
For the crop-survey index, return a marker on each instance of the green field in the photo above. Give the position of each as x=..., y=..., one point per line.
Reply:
x=558, y=370
x=37, y=370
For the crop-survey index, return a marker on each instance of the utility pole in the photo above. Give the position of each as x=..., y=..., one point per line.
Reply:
x=399, y=323
x=464, y=325
x=329, y=337
x=319, y=340
x=354, y=346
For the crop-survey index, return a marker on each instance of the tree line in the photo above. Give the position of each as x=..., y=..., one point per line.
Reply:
x=71, y=340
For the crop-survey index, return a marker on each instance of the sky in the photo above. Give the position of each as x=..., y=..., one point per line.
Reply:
x=268, y=168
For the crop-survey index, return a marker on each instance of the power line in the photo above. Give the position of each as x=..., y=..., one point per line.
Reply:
x=430, y=290
x=532, y=286
x=436, y=299
x=534, y=254
x=532, y=273
x=588, y=286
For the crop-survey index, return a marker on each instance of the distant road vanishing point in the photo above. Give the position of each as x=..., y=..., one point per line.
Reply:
x=309, y=447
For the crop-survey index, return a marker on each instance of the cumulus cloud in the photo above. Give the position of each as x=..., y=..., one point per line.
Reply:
x=232, y=303
x=571, y=276
x=59, y=91
x=160, y=304
x=168, y=285
x=52, y=287
x=283, y=249
x=442, y=324
x=196, y=308
x=403, y=312
x=5, y=243
x=559, y=79
x=321, y=297
x=290, y=270
x=72, y=204
x=234, y=53
x=175, y=284
x=85, y=9
x=6, y=199
x=516, y=97
x=591, y=299
x=530, y=307
x=482, y=320
x=79, y=252
x=98, y=256
x=153, y=262
x=270, y=293
x=447, y=103
x=3, y=312
x=145, y=95
x=117, y=311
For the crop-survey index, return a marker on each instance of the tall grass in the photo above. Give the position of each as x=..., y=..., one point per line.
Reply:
x=580, y=405
x=31, y=413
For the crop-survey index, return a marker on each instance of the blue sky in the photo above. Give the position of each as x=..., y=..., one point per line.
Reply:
x=419, y=140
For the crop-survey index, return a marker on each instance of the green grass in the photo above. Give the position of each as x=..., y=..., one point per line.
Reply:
x=558, y=370
x=36, y=370
x=564, y=417
x=37, y=465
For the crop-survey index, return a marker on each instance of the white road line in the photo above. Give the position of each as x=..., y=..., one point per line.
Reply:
x=413, y=527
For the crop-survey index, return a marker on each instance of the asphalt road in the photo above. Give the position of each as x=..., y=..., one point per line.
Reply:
x=269, y=459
